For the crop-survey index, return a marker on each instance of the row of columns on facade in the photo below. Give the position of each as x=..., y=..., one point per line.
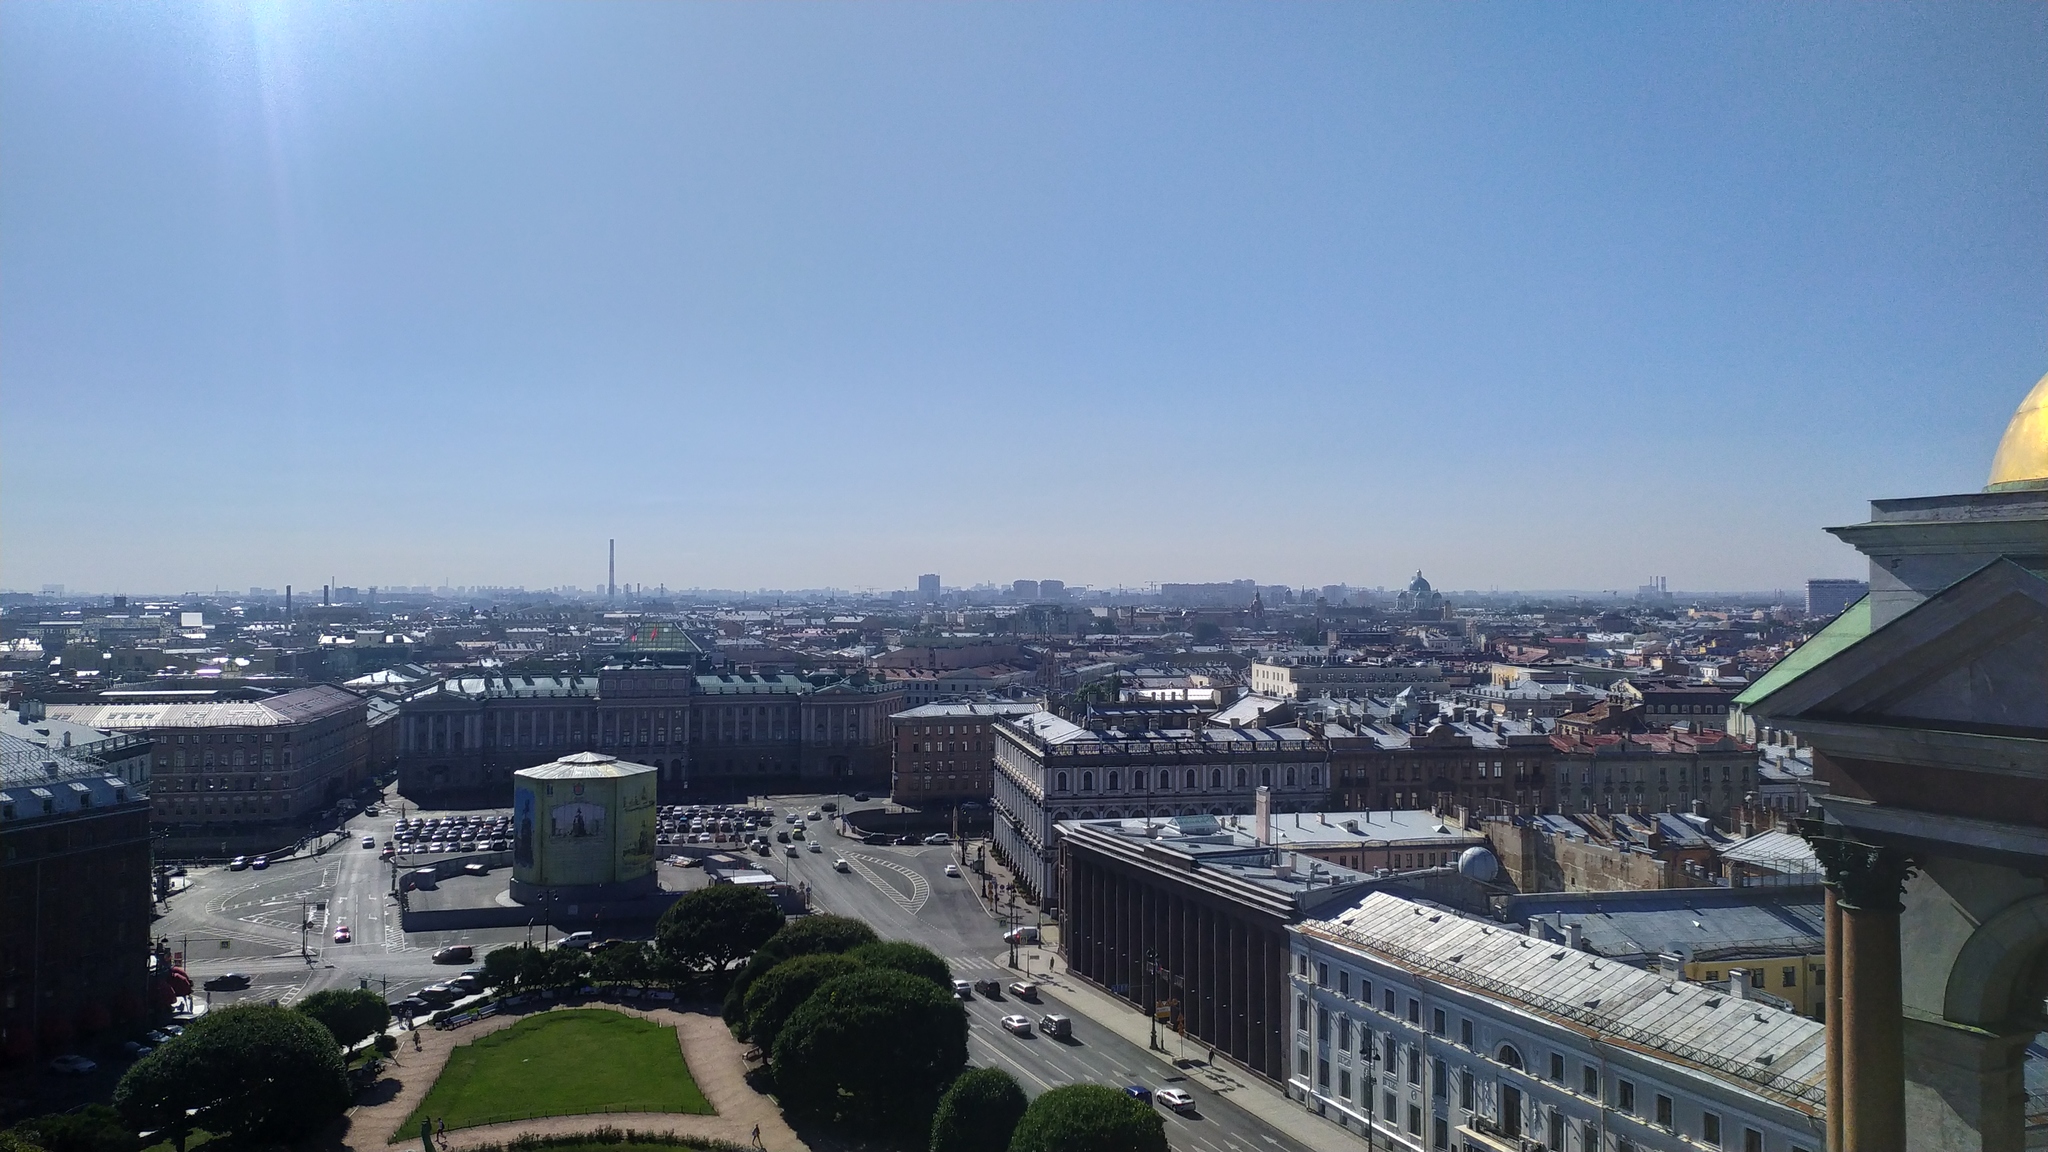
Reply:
x=1227, y=975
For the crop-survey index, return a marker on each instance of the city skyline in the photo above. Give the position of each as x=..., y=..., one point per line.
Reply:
x=1551, y=297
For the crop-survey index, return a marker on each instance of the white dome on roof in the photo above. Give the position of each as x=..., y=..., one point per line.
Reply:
x=1477, y=863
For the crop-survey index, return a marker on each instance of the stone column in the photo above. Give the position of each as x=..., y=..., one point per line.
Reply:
x=1868, y=1036
x=1831, y=1008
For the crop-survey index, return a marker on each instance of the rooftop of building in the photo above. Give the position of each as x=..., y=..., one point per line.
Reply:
x=1341, y=830
x=1057, y=734
x=1752, y=1044
x=1203, y=844
x=585, y=766
x=39, y=783
x=964, y=708
x=1692, y=923
x=298, y=706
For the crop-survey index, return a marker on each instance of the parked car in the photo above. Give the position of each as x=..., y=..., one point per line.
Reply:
x=1024, y=990
x=159, y=1036
x=73, y=1065
x=862, y=797
x=1175, y=1099
x=136, y=1048
x=455, y=954
x=227, y=982
x=938, y=838
x=1017, y=1025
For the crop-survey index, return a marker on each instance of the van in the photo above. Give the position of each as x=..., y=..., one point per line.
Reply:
x=1056, y=1026
x=1026, y=934
x=989, y=988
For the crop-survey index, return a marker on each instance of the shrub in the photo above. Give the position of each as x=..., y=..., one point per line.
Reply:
x=978, y=1113
x=904, y=956
x=871, y=1051
x=1089, y=1118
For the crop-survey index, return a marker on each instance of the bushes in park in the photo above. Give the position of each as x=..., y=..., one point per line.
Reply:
x=978, y=1113
x=252, y=1072
x=1089, y=1118
x=871, y=1051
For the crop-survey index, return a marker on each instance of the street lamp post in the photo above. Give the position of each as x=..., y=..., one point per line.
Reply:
x=1152, y=996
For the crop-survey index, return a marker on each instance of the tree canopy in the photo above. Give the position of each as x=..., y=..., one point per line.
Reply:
x=904, y=956
x=712, y=927
x=1089, y=1118
x=978, y=1113
x=92, y=1128
x=353, y=1015
x=804, y=937
x=252, y=1071
x=871, y=1051
x=773, y=998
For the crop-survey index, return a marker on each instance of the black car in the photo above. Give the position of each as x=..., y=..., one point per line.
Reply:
x=227, y=982
x=455, y=954
x=860, y=797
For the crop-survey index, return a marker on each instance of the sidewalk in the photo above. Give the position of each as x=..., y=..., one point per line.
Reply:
x=1247, y=1090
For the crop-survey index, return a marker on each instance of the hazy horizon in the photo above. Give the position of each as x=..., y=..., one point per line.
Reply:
x=1561, y=296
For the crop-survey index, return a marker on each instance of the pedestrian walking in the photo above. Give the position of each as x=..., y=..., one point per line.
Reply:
x=757, y=1136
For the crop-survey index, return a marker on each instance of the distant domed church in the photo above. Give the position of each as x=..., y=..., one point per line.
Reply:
x=1419, y=600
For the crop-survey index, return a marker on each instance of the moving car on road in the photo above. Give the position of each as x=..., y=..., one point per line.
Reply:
x=952, y=869
x=840, y=865
x=260, y=863
x=342, y=935
x=1138, y=1092
x=963, y=989
x=1056, y=1026
x=1022, y=935
x=369, y=841
x=992, y=989
x=238, y=863
x=227, y=982
x=1017, y=1025
x=1175, y=1099
x=815, y=846
x=1024, y=990
x=460, y=954
x=938, y=838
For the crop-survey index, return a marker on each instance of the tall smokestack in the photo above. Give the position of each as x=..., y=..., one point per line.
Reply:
x=611, y=571
x=287, y=601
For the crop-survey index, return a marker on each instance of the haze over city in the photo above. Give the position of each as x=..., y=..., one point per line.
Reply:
x=1538, y=297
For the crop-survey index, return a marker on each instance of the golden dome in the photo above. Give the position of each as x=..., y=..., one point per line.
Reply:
x=2022, y=460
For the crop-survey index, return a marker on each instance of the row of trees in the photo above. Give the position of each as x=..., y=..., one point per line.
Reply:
x=985, y=1111
x=252, y=1072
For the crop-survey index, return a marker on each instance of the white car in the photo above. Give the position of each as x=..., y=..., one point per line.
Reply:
x=841, y=866
x=1017, y=1025
x=1174, y=1098
x=816, y=847
x=938, y=838
x=369, y=841
x=963, y=989
x=952, y=869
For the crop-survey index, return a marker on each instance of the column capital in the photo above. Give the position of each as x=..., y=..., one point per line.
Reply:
x=1865, y=877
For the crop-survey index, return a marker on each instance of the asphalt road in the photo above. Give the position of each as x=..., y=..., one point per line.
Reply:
x=905, y=893
x=249, y=922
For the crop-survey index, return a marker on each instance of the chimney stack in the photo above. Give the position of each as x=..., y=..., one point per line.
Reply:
x=1262, y=814
x=611, y=570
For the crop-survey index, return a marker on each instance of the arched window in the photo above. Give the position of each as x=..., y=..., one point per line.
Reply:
x=1087, y=781
x=1315, y=777
x=1290, y=775
x=1114, y=780
x=1138, y=780
x=1191, y=780
x=1215, y=777
x=1266, y=776
x=1060, y=782
x=1240, y=778
x=1508, y=1056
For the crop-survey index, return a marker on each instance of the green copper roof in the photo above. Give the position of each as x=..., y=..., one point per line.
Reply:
x=1852, y=625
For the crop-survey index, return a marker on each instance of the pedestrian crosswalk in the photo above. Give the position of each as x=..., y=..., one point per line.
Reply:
x=959, y=962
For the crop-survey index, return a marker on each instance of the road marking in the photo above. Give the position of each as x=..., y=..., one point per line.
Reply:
x=920, y=891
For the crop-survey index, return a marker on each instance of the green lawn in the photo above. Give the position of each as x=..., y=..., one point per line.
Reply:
x=561, y=1063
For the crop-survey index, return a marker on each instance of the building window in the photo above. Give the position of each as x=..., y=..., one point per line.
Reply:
x=1344, y=1033
x=1060, y=782
x=1087, y=781
x=1301, y=1013
x=1301, y=1061
x=1710, y=1128
x=1436, y=1021
x=1440, y=1133
x=1465, y=1033
x=1789, y=978
x=1322, y=975
x=1625, y=1096
x=1388, y=1000
x=1663, y=1110
x=1557, y=1067
x=1752, y=1140
x=1465, y=1089
x=1344, y=1084
x=1439, y=1079
x=1414, y=1065
x=1414, y=1010
x=1557, y=1129
x=1343, y=983
x=1414, y=1120
x=1589, y=1079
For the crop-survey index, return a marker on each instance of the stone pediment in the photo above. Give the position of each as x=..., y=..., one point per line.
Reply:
x=1973, y=658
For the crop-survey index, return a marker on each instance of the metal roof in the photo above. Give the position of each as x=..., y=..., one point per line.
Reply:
x=1758, y=1047
x=295, y=707
x=585, y=766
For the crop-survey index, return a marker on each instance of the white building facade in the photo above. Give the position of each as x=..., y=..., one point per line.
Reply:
x=1439, y=1032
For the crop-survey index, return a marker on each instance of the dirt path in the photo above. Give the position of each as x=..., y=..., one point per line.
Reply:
x=715, y=1060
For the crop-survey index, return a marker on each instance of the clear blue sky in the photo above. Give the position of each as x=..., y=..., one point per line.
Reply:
x=1529, y=295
